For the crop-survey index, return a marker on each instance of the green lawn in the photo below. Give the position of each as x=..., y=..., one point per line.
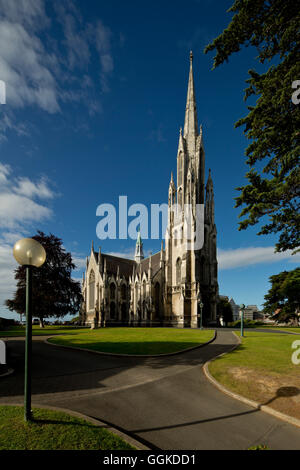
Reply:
x=53, y=430
x=135, y=340
x=294, y=329
x=37, y=331
x=261, y=369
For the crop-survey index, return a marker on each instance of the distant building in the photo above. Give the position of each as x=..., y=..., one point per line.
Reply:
x=251, y=312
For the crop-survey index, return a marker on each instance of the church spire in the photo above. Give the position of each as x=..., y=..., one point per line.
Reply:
x=191, y=122
x=139, y=254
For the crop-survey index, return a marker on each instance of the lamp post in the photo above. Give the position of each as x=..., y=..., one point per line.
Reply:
x=201, y=308
x=28, y=253
x=242, y=307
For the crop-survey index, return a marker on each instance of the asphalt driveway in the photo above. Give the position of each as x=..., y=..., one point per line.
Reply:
x=165, y=402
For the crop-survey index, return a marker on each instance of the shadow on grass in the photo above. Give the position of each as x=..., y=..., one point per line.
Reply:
x=44, y=421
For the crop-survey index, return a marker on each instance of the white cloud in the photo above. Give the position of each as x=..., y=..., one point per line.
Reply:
x=240, y=257
x=17, y=205
x=38, y=67
x=7, y=267
x=26, y=69
x=79, y=261
x=28, y=12
x=16, y=210
x=27, y=188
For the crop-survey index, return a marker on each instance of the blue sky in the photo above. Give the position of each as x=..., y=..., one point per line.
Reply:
x=95, y=97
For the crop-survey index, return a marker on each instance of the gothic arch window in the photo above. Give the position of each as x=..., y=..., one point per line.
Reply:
x=144, y=289
x=112, y=290
x=157, y=297
x=124, y=312
x=178, y=271
x=180, y=197
x=123, y=292
x=180, y=169
x=92, y=290
x=136, y=294
x=112, y=310
x=175, y=237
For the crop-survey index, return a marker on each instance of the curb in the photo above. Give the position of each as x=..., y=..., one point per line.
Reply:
x=131, y=355
x=128, y=439
x=247, y=401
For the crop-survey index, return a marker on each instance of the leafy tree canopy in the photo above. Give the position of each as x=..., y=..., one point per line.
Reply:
x=273, y=124
x=283, y=299
x=54, y=292
x=225, y=311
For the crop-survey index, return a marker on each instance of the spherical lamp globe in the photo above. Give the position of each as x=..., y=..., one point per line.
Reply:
x=29, y=252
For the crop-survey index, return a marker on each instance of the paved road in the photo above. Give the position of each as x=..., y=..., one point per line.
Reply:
x=165, y=402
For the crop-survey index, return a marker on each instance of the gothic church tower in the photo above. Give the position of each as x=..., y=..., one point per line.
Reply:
x=191, y=273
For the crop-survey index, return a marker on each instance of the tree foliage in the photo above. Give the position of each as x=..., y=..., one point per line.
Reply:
x=273, y=124
x=283, y=299
x=225, y=311
x=54, y=292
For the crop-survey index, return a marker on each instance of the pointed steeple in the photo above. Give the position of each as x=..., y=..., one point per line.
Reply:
x=191, y=122
x=139, y=254
x=172, y=190
x=180, y=143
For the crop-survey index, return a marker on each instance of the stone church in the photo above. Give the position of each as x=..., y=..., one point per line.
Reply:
x=167, y=288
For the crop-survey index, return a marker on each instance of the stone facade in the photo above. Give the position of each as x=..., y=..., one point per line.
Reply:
x=166, y=288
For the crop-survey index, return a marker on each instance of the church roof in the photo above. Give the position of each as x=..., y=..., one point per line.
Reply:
x=112, y=263
x=155, y=263
x=126, y=265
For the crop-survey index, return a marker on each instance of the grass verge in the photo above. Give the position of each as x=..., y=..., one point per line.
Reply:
x=138, y=341
x=53, y=430
x=19, y=331
x=261, y=369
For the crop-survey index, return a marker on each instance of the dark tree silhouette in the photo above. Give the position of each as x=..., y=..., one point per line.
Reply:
x=272, y=124
x=283, y=299
x=55, y=293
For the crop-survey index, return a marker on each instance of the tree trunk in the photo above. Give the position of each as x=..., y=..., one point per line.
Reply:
x=42, y=323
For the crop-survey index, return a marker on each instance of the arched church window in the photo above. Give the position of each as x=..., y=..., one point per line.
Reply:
x=180, y=169
x=157, y=298
x=112, y=310
x=123, y=292
x=178, y=271
x=92, y=290
x=136, y=293
x=112, y=290
x=180, y=197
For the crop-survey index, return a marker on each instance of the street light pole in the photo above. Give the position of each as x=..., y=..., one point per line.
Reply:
x=242, y=307
x=201, y=307
x=28, y=345
x=28, y=253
